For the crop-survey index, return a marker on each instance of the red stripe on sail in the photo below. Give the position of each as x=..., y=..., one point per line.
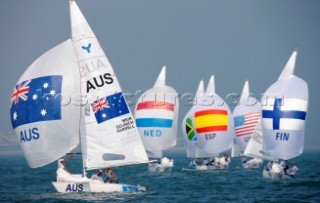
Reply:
x=211, y=111
x=155, y=105
x=212, y=129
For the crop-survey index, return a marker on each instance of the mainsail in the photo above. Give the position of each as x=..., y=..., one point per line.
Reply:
x=284, y=109
x=255, y=147
x=213, y=122
x=156, y=115
x=109, y=134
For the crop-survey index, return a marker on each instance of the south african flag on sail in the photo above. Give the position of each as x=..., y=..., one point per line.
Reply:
x=189, y=130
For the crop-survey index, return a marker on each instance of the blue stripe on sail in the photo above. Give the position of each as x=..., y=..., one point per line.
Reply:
x=154, y=122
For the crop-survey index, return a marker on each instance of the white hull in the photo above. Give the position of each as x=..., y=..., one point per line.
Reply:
x=275, y=176
x=253, y=163
x=207, y=167
x=156, y=167
x=75, y=187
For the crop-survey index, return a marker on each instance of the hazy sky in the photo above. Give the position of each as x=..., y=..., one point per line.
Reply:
x=236, y=40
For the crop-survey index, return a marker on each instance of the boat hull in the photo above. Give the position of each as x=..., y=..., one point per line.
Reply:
x=76, y=187
x=275, y=176
x=156, y=167
x=252, y=164
x=207, y=167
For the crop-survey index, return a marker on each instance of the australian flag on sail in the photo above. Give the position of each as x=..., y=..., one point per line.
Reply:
x=109, y=107
x=36, y=100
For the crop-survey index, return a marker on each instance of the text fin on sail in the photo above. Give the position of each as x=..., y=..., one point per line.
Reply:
x=245, y=93
x=200, y=91
x=79, y=26
x=211, y=89
x=161, y=81
x=289, y=68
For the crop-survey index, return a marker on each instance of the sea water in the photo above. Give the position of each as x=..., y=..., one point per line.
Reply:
x=19, y=183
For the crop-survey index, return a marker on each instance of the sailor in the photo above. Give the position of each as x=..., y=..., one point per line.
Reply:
x=204, y=162
x=292, y=170
x=171, y=161
x=284, y=163
x=97, y=176
x=226, y=158
x=110, y=176
x=62, y=171
x=269, y=166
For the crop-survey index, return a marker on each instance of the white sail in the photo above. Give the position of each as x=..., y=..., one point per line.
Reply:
x=188, y=129
x=43, y=111
x=246, y=116
x=290, y=66
x=284, y=109
x=156, y=115
x=235, y=149
x=161, y=80
x=255, y=147
x=213, y=123
x=109, y=134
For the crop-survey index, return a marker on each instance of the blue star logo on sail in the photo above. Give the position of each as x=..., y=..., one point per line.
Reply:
x=33, y=101
x=87, y=48
x=109, y=107
x=277, y=114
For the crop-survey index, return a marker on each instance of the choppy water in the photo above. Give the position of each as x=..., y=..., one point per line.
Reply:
x=19, y=183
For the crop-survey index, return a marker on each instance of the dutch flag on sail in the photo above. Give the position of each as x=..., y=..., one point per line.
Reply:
x=154, y=114
x=284, y=114
x=36, y=100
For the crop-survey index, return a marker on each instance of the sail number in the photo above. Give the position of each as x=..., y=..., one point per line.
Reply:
x=210, y=136
x=282, y=136
x=74, y=188
x=152, y=133
x=29, y=135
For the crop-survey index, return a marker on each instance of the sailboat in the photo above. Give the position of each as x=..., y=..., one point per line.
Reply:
x=71, y=96
x=156, y=115
x=246, y=116
x=188, y=130
x=284, y=110
x=213, y=124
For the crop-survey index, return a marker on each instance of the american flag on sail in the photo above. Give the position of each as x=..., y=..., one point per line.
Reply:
x=245, y=124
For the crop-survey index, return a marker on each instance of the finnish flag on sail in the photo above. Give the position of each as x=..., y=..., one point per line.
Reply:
x=284, y=114
x=109, y=107
x=36, y=100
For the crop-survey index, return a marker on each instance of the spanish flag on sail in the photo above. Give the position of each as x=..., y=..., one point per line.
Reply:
x=211, y=120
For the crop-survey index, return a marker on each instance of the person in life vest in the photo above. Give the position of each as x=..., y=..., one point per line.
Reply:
x=111, y=176
x=284, y=163
x=97, y=177
x=63, y=172
x=292, y=170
